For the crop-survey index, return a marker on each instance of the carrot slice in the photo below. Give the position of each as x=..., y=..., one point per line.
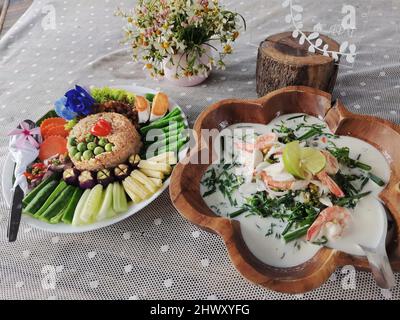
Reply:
x=52, y=121
x=55, y=131
x=52, y=146
x=44, y=130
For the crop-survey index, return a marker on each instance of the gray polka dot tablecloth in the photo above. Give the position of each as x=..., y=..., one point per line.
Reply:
x=156, y=254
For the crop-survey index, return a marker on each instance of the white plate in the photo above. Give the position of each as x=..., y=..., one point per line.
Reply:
x=6, y=183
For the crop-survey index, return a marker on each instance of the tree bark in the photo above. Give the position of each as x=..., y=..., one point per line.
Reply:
x=282, y=62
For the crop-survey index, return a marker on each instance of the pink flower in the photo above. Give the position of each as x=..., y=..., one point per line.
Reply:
x=25, y=134
x=194, y=19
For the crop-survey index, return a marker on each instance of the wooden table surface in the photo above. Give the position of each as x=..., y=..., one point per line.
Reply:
x=15, y=10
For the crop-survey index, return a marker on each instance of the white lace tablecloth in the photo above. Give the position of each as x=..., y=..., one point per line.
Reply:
x=156, y=253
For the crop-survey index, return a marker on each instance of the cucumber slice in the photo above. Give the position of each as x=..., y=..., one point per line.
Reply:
x=107, y=210
x=53, y=196
x=120, y=204
x=57, y=205
x=76, y=221
x=92, y=205
x=40, y=198
x=68, y=213
x=29, y=196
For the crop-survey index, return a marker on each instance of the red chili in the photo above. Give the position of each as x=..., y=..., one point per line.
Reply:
x=28, y=175
x=101, y=128
x=39, y=165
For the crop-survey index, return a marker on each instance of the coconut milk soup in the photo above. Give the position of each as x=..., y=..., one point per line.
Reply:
x=294, y=186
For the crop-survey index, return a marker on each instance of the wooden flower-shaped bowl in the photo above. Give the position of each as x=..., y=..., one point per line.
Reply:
x=185, y=182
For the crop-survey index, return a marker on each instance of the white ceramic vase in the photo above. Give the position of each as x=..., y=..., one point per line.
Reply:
x=182, y=81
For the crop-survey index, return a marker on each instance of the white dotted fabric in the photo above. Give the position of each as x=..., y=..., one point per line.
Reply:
x=156, y=253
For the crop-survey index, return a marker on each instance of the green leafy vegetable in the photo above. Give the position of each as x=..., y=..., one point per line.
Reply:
x=104, y=94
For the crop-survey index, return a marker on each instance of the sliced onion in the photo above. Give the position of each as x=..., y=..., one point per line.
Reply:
x=326, y=201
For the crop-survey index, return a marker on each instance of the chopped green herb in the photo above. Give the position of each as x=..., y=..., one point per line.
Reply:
x=351, y=201
x=363, y=183
x=296, y=117
x=321, y=241
x=376, y=179
x=342, y=155
x=270, y=230
x=224, y=180
x=237, y=213
x=290, y=236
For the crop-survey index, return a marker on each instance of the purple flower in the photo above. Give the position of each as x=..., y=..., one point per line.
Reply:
x=75, y=102
x=62, y=111
x=79, y=101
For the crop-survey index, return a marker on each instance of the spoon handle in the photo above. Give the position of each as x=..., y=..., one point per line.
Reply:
x=381, y=268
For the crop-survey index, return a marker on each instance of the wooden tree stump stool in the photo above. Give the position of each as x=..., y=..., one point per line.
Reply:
x=282, y=62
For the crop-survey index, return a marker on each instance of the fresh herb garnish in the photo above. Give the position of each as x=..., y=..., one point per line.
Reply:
x=299, y=116
x=321, y=241
x=287, y=133
x=351, y=201
x=224, y=180
x=285, y=208
x=237, y=213
x=344, y=182
x=342, y=155
x=270, y=230
x=363, y=183
x=290, y=236
x=314, y=130
x=376, y=179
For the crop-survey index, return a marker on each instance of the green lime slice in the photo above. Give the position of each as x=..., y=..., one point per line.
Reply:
x=312, y=160
x=302, y=162
x=292, y=159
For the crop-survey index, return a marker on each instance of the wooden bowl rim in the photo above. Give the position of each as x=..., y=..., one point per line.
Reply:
x=225, y=227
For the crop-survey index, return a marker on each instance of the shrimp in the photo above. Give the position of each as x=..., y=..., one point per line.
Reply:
x=291, y=184
x=270, y=182
x=331, y=167
x=332, y=220
x=262, y=142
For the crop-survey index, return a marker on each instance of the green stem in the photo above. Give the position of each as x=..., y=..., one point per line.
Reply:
x=287, y=228
x=296, y=233
x=346, y=200
x=376, y=179
x=237, y=213
x=362, y=166
x=310, y=133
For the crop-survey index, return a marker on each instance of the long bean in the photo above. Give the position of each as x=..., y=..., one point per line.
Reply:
x=169, y=133
x=161, y=124
x=172, y=147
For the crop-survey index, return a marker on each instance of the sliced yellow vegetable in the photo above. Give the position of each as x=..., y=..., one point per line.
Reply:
x=163, y=167
x=153, y=173
x=143, y=179
x=166, y=157
x=137, y=188
x=157, y=182
x=128, y=189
